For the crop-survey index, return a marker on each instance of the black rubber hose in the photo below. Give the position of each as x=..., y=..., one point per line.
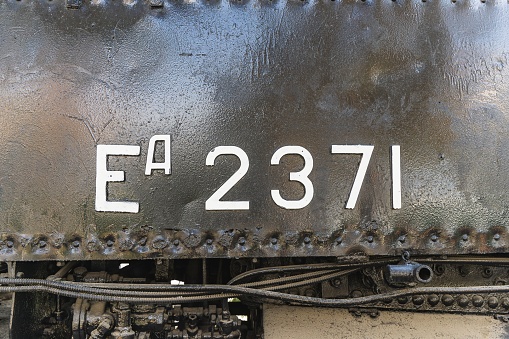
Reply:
x=236, y=291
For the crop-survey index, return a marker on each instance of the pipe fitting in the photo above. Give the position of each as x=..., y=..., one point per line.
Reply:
x=408, y=274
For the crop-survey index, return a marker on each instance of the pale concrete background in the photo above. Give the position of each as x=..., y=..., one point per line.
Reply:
x=287, y=322
x=5, y=314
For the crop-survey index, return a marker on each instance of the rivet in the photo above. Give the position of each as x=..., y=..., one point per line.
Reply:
x=505, y=303
x=496, y=237
x=273, y=241
x=464, y=237
x=418, y=300
x=42, y=244
x=477, y=301
x=370, y=239
x=307, y=240
x=487, y=272
x=336, y=282
x=9, y=244
x=447, y=300
x=109, y=243
x=209, y=241
x=434, y=238
x=242, y=241
x=402, y=300
x=76, y=243
x=433, y=300
x=492, y=302
x=463, y=301
x=176, y=242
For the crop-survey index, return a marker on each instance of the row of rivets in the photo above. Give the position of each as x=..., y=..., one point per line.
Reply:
x=42, y=244
x=462, y=300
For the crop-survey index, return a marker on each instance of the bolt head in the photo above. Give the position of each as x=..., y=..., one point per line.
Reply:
x=242, y=241
x=307, y=240
x=505, y=303
x=418, y=300
x=76, y=243
x=464, y=237
x=477, y=301
x=496, y=237
x=109, y=243
x=447, y=300
x=403, y=300
x=42, y=244
x=339, y=240
x=370, y=239
x=176, y=242
x=492, y=302
x=209, y=241
x=433, y=300
x=434, y=238
x=463, y=301
x=273, y=241
x=402, y=239
x=9, y=244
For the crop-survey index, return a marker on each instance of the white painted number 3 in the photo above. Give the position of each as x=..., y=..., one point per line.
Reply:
x=301, y=176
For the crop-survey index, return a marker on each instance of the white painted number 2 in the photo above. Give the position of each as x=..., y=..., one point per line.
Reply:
x=213, y=203
x=301, y=176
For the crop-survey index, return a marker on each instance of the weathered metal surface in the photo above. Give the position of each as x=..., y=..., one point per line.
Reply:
x=429, y=76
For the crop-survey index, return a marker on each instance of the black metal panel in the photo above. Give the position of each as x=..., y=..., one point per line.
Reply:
x=429, y=76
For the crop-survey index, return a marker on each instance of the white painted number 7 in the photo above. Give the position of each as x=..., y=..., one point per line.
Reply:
x=365, y=151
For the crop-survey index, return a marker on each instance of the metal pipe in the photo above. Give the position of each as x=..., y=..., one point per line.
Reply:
x=408, y=274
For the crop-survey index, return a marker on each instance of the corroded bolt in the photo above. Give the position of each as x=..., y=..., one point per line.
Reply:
x=42, y=244
x=492, y=302
x=273, y=241
x=176, y=242
x=370, y=239
x=464, y=237
x=505, y=303
x=307, y=240
x=109, y=243
x=496, y=237
x=434, y=238
x=433, y=300
x=9, y=244
x=76, y=243
x=477, y=301
x=242, y=241
x=418, y=300
x=463, y=301
x=447, y=300
x=209, y=241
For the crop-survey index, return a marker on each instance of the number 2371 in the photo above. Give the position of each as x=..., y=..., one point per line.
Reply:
x=103, y=175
